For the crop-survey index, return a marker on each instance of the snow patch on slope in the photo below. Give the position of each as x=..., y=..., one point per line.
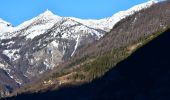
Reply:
x=12, y=54
x=38, y=30
x=55, y=44
x=75, y=47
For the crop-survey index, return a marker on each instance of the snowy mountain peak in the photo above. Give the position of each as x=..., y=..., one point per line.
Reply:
x=48, y=19
x=104, y=24
x=49, y=14
x=134, y=9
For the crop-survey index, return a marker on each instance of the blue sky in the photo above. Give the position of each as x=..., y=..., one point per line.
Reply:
x=17, y=11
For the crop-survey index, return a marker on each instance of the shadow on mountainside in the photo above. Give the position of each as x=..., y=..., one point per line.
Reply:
x=145, y=75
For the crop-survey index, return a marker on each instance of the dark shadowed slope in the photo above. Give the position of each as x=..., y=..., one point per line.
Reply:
x=145, y=75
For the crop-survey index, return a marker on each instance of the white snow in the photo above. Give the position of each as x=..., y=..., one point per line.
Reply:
x=11, y=54
x=69, y=22
x=14, y=78
x=37, y=30
x=46, y=64
x=47, y=15
x=50, y=19
x=55, y=44
x=18, y=81
x=41, y=72
x=75, y=47
x=2, y=65
x=11, y=76
x=10, y=42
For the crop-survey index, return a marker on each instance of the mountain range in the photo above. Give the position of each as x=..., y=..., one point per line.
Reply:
x=52, y=43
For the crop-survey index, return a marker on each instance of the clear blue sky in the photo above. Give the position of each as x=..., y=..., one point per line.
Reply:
x=17, y=11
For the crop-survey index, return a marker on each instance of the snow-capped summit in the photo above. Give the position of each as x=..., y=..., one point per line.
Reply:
x=49, y=14
x=110, y=22
x=48, y=19
x=46, y=16
x=35, y=26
